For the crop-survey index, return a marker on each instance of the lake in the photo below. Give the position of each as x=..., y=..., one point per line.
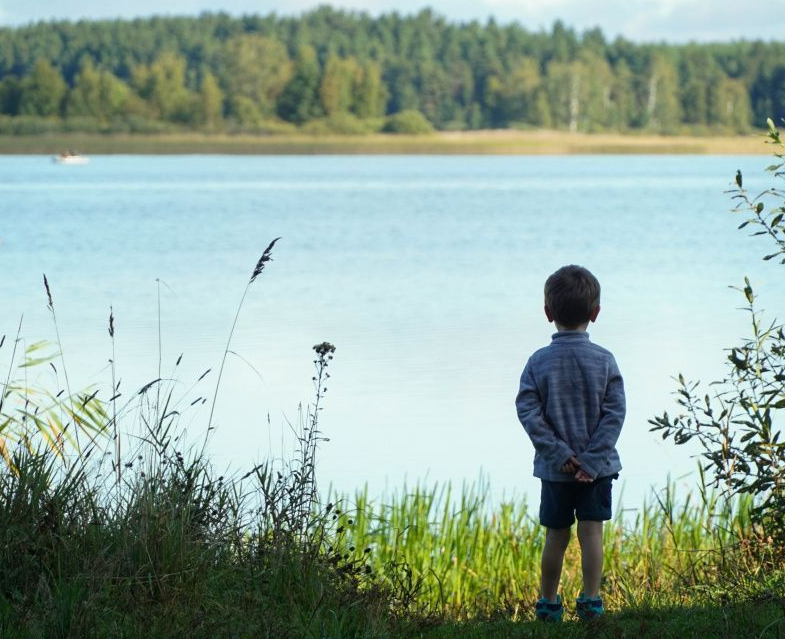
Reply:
x=425, y=272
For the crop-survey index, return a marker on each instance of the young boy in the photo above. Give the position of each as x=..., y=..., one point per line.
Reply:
x=571, y=404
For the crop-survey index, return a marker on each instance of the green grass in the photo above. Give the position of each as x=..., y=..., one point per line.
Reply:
x=168, y=548
x=175, y=551
x=455, y=556
x=759, y=620
x=146, y=539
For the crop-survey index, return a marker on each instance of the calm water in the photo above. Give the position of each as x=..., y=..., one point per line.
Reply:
x=426, y=272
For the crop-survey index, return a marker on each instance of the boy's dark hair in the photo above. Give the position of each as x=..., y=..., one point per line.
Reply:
x=572, y=293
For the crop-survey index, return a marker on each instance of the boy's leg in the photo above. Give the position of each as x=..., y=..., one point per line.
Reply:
x=556, y=542
x=590, y=539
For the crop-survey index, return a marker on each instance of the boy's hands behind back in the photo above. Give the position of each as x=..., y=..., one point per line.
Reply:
x=573, y=467
x=583, y=477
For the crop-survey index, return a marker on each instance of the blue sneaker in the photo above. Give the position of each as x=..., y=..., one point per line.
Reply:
x=547, y=610
x=589, y=607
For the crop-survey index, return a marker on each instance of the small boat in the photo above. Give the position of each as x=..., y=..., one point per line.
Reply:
x=70, y=157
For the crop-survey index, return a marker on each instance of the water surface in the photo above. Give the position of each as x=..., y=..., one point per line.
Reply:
x=425, y=272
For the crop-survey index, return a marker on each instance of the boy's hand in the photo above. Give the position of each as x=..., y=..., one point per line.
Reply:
x=572, y=466
x=583, y=477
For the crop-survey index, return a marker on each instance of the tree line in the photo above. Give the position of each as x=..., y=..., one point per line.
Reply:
x=332, y=70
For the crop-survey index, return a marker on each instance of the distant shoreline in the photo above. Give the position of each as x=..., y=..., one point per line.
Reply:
x=492, y=142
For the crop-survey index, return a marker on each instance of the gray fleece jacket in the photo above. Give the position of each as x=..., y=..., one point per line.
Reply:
x=571, y=402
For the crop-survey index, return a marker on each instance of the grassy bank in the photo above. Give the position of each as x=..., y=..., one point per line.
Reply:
x=173, y=550
x=477, y=142
x=132, y=533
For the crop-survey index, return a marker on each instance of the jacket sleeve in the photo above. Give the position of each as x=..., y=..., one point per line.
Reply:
x=603, y=439
x=552, y=448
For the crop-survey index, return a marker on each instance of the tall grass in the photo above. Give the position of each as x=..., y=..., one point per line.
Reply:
x=148, y=540
x=457, y=557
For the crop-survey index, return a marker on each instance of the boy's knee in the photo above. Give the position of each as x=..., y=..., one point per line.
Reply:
x=588, y=528
x=559, y=536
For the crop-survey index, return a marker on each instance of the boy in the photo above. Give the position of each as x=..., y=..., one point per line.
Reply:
x=571, y=404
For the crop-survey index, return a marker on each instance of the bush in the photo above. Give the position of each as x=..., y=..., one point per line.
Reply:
x=29, y=125
x=261, y=127
x=409, y=122
x=739, y=425
x=83, y=124
x=342, y=124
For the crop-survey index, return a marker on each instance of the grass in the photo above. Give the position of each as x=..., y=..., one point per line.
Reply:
x=504, y=142
x=460, y=558
x=175, y=551
x=760, y=620
x=101, y=541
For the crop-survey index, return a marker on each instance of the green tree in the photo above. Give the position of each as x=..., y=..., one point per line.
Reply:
x=162, y=85
x=299, y=101
x=370, y=94
x=255, y=68
x=338, y=84
x=43, y=91
x=460, y=75
x=210, y=102
x=98, y=94
x=10, y=95
x=624, y=109
x=595, y=109
x=729, y=104
x=567, y=85
x=694, y=102
x=519, y=91
x=662, y=111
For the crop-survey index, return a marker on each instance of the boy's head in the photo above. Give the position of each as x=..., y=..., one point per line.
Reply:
x=572, y=297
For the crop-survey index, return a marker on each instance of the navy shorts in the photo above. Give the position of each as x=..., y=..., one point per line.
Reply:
x=561, y=502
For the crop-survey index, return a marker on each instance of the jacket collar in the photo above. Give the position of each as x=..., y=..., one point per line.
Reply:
x=570, y=335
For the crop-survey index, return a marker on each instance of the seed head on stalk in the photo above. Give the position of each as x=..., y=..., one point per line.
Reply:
x=75, y=419
x=48, y=294
x=266, y=257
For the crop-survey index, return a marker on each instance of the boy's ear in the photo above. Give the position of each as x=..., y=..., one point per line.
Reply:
x=594, y=314
x=548, y=314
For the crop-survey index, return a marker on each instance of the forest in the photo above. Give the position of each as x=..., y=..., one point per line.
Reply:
x=333, y=71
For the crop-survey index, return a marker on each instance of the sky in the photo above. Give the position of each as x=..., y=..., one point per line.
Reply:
x=638, y=20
